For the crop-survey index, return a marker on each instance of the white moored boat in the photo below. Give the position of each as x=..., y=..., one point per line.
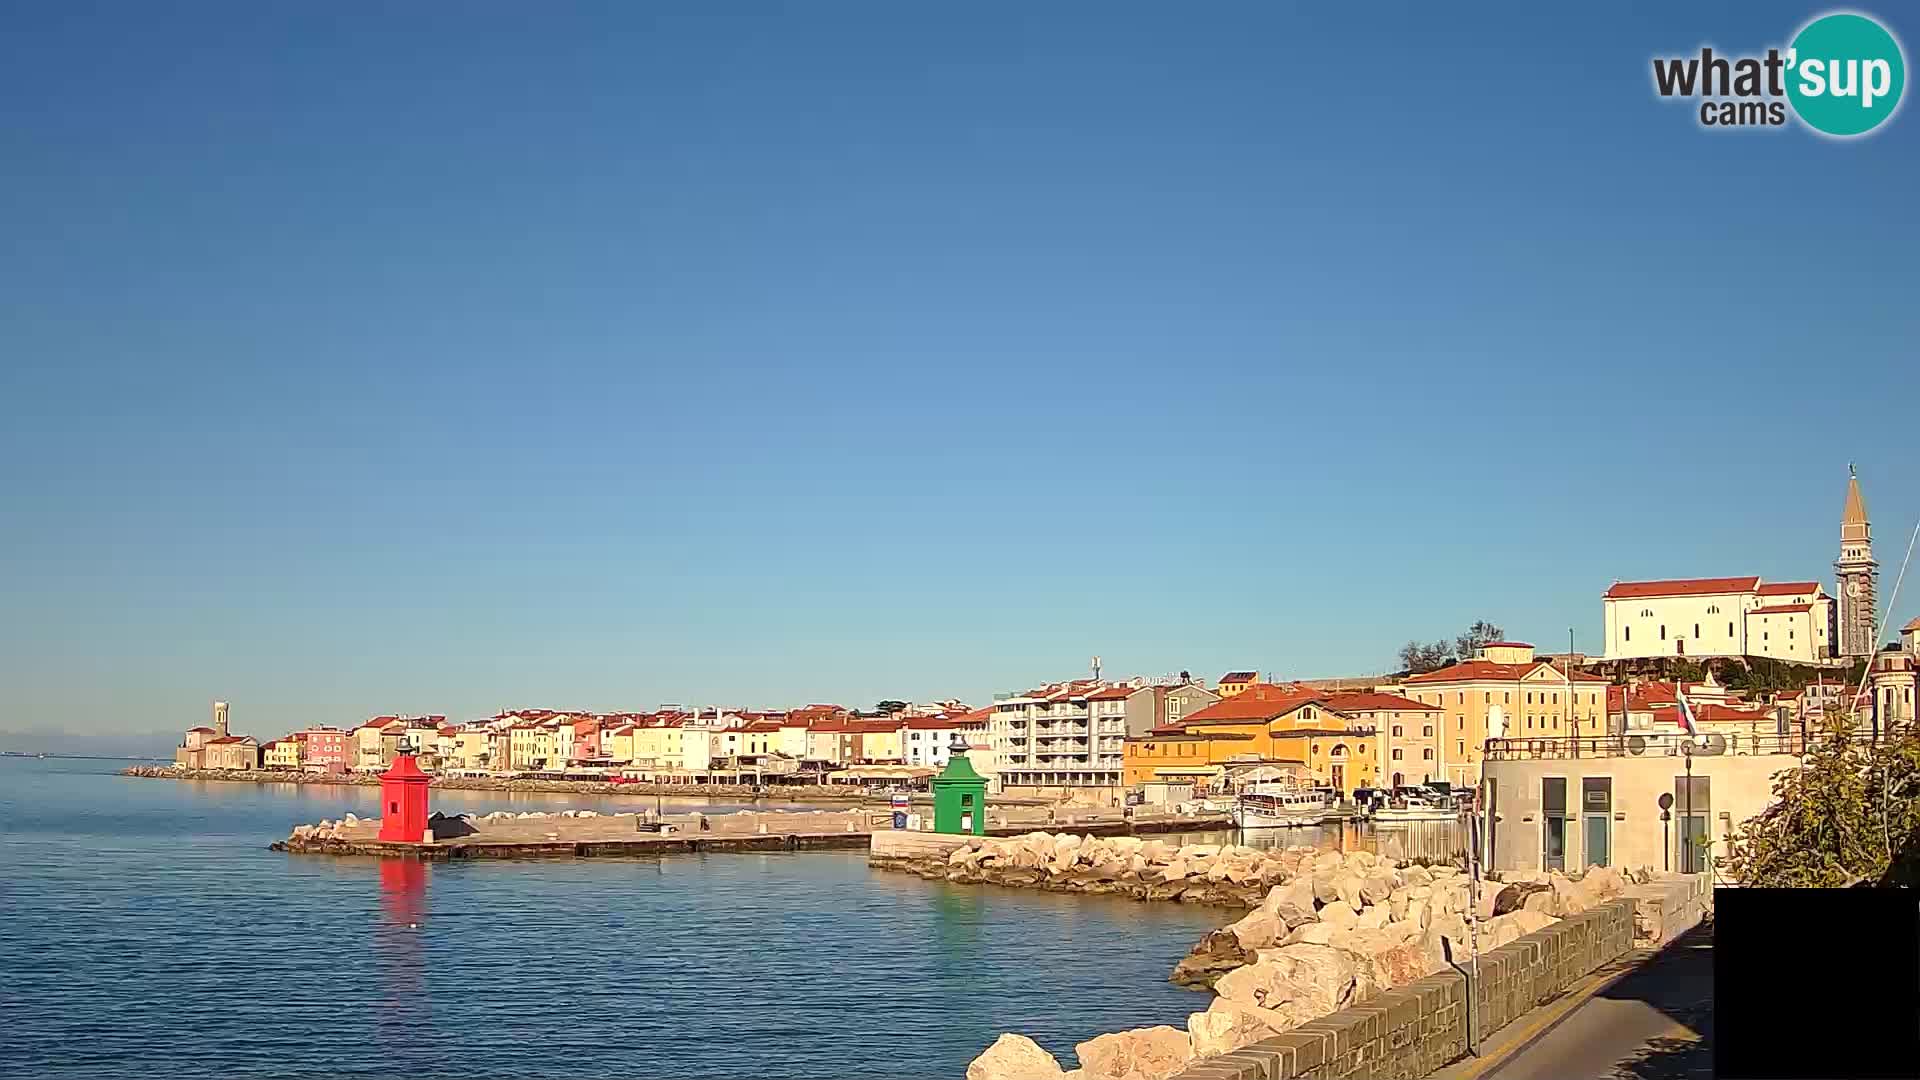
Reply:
x=1279, y=806
x=1402, y=810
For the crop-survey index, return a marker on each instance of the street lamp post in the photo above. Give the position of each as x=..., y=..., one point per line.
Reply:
x=1666, y=841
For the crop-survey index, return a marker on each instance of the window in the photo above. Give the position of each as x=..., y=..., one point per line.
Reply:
x=1396, y=755
x=1729, y=629
x=1663, y=631
x=1696, y=630
x=1427, y=754
x=1713, y=609
x=1507, y=698
x=1529, y=721
x=1463, y=746
x=1460, y=698
x=1646, y=613
x=1396, y=731
x=1427, y=731
x=1486, y=697
x=1556, y=699
x=1529, y=699
x=1629, y=633
x=1460, y=722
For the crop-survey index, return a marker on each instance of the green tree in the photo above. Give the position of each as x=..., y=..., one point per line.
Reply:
x=1686, y=671
x=889, y=707
x=1849, y=814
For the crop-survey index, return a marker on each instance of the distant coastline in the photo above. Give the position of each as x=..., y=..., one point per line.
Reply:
x=79, y=757
x=484, y=783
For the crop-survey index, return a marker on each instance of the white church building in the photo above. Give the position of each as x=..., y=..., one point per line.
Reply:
x=1743, y=616
x=1707, y=617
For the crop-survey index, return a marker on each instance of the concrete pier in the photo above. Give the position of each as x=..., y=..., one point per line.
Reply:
x=586, y=834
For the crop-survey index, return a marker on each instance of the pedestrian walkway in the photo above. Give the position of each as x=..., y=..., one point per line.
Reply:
x=1649, y=1017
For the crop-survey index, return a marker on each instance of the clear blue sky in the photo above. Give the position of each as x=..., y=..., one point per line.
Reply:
x=450, y=357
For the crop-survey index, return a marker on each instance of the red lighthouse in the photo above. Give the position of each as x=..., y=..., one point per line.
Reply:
x=403, y=801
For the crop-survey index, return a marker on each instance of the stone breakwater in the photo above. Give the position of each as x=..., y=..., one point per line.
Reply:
x=1328, y=931
x=1130, y=866
x=491, y=783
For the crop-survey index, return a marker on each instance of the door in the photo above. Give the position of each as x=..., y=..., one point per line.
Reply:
x=1340, y=779
x=1553, y=823
x=1596, y=805
x=1598, y=838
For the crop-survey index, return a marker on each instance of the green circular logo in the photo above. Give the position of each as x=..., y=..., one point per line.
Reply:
x=1845, y=74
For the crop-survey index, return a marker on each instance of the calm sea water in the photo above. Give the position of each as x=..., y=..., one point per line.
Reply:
x=145, y=928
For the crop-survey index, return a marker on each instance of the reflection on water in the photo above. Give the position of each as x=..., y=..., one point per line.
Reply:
x=1437, y=840
x=397, y=945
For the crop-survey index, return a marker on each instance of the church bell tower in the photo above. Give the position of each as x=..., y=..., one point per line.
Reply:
x=1856, y=574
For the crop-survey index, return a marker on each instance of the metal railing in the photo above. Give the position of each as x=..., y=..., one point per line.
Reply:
x=1662, y=744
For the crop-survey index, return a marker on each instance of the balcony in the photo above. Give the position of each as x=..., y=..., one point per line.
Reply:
x=1661, y=744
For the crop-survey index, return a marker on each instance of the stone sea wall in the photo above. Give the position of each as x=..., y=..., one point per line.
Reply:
x=1328, y=931
x=1131, y=866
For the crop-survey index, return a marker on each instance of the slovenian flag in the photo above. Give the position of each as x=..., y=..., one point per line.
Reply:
x=1686, y=712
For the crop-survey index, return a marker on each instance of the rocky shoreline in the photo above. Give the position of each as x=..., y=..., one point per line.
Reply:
x=488, y=783
x=1327, y=931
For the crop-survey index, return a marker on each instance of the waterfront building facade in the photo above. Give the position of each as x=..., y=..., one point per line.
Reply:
x=1044, y=741
x=1504, y=691
x=281, y=754
x=236, y=752
x=1289, y=728
x=1408, y=739
x=1565, y=803
x=324, y=750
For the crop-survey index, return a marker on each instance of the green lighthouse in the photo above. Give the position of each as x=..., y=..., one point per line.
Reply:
x=959, y=794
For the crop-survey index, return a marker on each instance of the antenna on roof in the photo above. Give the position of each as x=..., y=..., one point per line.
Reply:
x=1096, y=669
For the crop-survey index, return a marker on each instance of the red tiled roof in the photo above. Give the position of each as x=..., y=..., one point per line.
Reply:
x=1367, y=701
x=1781, y=609
x=1239, y=676
x=1257, y=703
x=230, y=739
x=1681, y=587
x=977, y=716
x=763, y=725
x=1914, y=625
x=1488, y=671
x=1709, y=713
x=1788, y=588
x=933, y=723
x=208, y=730
x=1113, y=693
x=873, y=727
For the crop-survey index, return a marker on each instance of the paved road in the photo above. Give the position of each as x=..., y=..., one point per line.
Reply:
x=1656, y=1023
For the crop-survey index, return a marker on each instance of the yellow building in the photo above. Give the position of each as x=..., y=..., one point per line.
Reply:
x=879, y=740
x=617, y=744
x=1406, y=741
x=661, y=746
x=1503, y=692
x=282, y=754
x=520, y=746
x=1266, y=726
x=370, y=753
x=1235, y=683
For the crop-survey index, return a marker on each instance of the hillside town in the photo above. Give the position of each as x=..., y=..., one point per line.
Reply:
x=1097, y=739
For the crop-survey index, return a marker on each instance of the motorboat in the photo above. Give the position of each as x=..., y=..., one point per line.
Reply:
x=1280, y=806
x=1405, y=808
